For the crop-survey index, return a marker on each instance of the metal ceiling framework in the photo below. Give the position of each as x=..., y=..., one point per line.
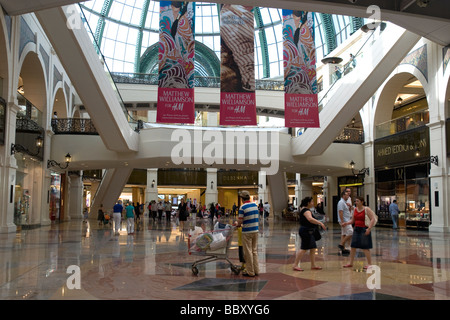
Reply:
x=327, y=33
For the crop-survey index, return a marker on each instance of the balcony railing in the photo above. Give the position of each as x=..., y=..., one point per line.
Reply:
x=86, y=126
x=351, y=135
x=27, y=130
x=410, y=121
x=27, y=109
x=203, y=82
x=73, y=126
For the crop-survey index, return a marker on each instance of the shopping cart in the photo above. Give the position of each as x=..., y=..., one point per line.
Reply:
x=213, y=245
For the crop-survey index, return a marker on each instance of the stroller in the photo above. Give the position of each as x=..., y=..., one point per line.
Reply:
x=106, y=219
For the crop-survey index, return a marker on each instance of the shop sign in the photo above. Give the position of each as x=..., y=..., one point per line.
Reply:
x=406, y=147
x=236, y=178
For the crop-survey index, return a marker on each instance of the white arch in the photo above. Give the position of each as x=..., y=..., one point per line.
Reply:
x=5, y=53
x=59, y=86
x=446, y=88
x=76, y=110
x=42, y=103
x=385, y=98
x=30, y=48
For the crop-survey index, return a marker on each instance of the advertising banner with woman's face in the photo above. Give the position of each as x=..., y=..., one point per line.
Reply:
x=176, y=63
x=300, y=81
x=237, y=69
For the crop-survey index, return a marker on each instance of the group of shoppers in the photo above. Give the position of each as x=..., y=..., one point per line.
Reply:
x=156, y=209
x=248, y=219
x=130, y=215
x=349, y=215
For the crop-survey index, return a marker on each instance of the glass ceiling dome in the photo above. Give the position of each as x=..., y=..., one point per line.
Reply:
x=127, y=32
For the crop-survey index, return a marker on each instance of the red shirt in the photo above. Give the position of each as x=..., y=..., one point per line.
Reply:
x=360, y=218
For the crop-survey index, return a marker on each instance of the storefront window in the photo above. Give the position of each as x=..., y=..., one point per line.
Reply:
x=55, y=196
x=22, y=200
x=418, y=204
x=409, y=185
x=386, y=194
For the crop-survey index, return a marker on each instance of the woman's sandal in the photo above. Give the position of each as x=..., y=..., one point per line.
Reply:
x=348, y=266
x=297, y=269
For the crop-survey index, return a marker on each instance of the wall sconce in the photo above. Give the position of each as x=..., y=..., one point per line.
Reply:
x=20, y=90
x=212, y=184
x=259, y=185
x=20, y=148
x=363, y=171
x=153, y=183
x=434, y=160
x=53, y=163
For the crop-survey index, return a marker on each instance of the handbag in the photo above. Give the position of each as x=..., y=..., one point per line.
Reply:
x=316, y=233
x=367, y=220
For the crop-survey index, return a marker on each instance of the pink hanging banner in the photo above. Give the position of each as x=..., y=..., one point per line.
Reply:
x=300, y=81
x=237, y=68
x=175, y=105
x=301, y=110
x=176, y=63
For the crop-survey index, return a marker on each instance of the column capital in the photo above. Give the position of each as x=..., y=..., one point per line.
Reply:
x=13, y=106
x=211, y=170
x=436, y=124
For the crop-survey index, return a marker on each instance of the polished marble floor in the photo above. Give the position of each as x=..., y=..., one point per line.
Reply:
x=85, y=261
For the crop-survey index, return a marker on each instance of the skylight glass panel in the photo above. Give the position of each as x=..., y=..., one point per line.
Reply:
x=122, y=25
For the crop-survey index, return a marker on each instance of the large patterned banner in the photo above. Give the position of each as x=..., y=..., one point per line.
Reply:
x=176, y=63
x=237, y=69
x=300, y=82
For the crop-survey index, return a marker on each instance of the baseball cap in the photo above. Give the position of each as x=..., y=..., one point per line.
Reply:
x=244, y=194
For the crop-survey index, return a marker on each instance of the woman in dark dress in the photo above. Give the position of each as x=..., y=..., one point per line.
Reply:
x=306, y=231
x=101, y=215
x=182, y=213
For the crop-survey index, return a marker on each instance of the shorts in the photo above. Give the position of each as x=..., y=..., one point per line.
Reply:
x=347, y=230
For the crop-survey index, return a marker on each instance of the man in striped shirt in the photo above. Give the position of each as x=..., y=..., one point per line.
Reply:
x=249, y=220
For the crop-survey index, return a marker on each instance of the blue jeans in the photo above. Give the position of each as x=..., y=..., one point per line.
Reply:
x=394, y=220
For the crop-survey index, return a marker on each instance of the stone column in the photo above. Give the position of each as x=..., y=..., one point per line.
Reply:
x=75, y=191
x=212, y=119
x=46, y=179
x=305, y=189
x=298, y=193
x=151, y=192
x=211, y=194
x=369, y=179
x=330, y=189
x=263, y=193
x=8, y=167
x=439, y=204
